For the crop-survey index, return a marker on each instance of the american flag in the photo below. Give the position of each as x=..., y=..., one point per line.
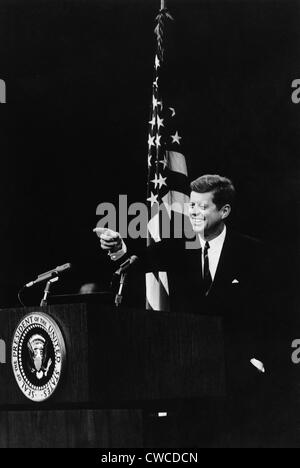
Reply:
x=167, y=188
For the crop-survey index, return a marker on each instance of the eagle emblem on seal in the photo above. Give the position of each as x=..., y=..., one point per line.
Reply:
x=37, y=349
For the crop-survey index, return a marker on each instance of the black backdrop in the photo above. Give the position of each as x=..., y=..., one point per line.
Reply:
x=74, y=130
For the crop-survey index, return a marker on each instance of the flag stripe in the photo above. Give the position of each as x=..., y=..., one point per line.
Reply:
x=158, y=291
x=177, y=162
x=178, y=182
x=176, y=201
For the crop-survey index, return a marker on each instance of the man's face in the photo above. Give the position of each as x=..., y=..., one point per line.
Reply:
x=205, y=217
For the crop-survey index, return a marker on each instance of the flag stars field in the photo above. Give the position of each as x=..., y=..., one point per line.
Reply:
x=167, y=175
x=152, y=199
x=152, y=122
x=160, y=122
x=151, y=141
x=159, y=181
x=164, y=162
x=162, y=181
x=157, y=62
x=176, y=138
x=157, y=140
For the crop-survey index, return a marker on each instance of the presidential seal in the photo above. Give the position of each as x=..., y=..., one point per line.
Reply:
x=38, y=356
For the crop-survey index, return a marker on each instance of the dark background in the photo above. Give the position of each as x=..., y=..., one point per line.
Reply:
x=73, y=133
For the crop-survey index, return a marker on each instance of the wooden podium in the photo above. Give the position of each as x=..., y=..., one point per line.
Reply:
x=119, y=364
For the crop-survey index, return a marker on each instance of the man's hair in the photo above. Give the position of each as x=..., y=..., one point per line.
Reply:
x=222, y=188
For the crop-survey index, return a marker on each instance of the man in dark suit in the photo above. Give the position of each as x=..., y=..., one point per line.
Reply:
x=219, y=272
x=209, y=273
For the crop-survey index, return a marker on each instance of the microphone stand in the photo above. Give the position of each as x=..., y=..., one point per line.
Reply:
x=119, y=297
x=44, y=301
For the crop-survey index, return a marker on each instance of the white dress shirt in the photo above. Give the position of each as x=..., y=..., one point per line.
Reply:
x=214, y=252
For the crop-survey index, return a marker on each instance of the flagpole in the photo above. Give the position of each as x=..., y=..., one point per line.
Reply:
x=162, y=4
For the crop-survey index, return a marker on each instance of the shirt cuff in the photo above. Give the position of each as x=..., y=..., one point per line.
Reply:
x=119, y=254
x=258, y=364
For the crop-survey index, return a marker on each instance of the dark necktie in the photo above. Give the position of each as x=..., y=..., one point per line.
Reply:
x=207, y=279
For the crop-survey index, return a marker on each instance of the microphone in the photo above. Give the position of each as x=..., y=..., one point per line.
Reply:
x=125, y=265
x=122, y=273
x=49, y=274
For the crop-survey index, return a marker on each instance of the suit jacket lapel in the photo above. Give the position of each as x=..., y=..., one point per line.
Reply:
x=193, y=268
x=226, y=264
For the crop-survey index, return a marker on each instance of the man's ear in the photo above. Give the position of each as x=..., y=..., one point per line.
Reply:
x=226, y=210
